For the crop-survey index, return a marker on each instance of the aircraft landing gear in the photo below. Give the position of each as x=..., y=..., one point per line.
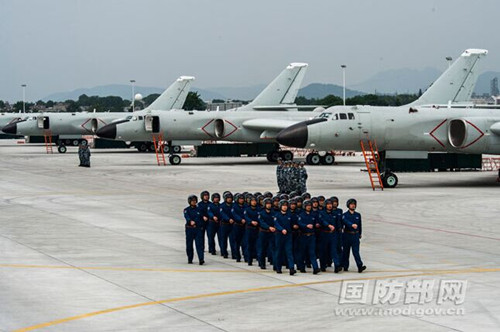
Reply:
x=389, y=179
x=62, y=148
x=327, y=159
x=175, y=159
x=272, y=156
x=313, y=159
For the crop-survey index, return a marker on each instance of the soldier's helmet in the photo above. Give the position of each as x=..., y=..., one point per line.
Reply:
x=225, y=192
x=268, y=194
x=257, y=194
x=351, y=201
x=215, y=195
x=314, y=200
x=307, y=202
x=284, y=196
x=328, y=201
x=283, y=202
x=227, y=195
x=237, y=197
x=203, y=193
x=192, y=198
x=268, y=201
x=321, y=198
x=306, y=196
x=334, y=199
x=294, y=194
x=276, y=198
x=292, y=201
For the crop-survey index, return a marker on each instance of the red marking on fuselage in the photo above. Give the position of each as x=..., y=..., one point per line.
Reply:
x=477, y=139
x=433, y=130
x=206, y=125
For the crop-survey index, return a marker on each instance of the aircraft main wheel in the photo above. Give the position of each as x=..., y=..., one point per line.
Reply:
x=142, y=148
x=151, y=147
x=272, y=156
x=328, y=159
x=286, y=155
x=62, y=149
x=85, y=142
x=176, y=149
x=308, y=159
x=315, y=159
x=166, y=148
x=390, y=180
x=174, y=159
x=75, y=142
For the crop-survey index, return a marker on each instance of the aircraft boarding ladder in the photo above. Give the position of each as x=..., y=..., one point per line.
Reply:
x=371, y=156
x=47, y=138
x=159, y=145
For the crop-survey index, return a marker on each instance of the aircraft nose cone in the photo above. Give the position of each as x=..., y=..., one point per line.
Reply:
x=10, y=129
x=294, y=136
x=108, y=131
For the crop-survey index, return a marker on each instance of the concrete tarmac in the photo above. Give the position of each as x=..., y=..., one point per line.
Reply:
x=103, y=249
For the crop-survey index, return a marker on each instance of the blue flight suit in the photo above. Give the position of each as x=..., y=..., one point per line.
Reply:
x=238, y=229
x=251, y=232
x=213, y=210
x=307, y=239
x=339, y=232
x=265, y=241
x=283, y=244
x=295, y=234
x=226, y=230
x=203, y=206
x=329, y=238
x=194, y=233
x=317, y=228
x=351, y=238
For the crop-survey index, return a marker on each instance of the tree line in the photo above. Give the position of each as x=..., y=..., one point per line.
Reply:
x=194, y=102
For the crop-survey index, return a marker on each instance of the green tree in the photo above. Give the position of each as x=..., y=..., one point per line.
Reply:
x=49, y=103
x=2, y=104
x=194, y=102
x=72, y=106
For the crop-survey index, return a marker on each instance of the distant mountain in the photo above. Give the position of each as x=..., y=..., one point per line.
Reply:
x=399, y=81
x=483, y=84
x=320, y=90
x=123, y=91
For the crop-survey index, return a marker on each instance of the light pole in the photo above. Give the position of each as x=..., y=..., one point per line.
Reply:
x=343, y=81
x=133, y=94
x=24, y=97
x=449, y=58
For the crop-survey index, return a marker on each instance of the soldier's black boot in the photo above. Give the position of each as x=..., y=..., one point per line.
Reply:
x=361, y=269
x=292, y=272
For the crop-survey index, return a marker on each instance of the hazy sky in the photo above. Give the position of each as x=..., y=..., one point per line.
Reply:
x=61, y=45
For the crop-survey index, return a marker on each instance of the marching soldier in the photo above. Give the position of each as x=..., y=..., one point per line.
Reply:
x=194, y=230
x=214, y=217
x=239, y=225
x=279, y=175
x=283, y=237
x=226, y=226
x=352, y=234
x=330, y=222
x=84, y=155
x=302, y=178
x=265, y=241
x=306, y=222
x=251, y=215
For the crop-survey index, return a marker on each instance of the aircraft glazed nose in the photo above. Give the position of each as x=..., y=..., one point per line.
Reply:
x=10, y=129
x=294, y=136
x=108, y=131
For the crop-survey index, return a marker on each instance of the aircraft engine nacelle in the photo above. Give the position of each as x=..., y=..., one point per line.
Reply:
x=94, y=125
x=219, y=128
x=466, y=134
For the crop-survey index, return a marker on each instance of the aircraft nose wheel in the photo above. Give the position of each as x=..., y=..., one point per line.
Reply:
x=62, y=149
x=390, y=180
x=286, y=155
x=174, y=159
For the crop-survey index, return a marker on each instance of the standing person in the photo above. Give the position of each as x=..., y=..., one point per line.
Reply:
x=84, y=155
x=251, y=215
x=238, y=210
x=340, y=229
x=352, y=234
x=194, y=230
x=330, y=222
x=294, y=213
x=265, y=241
x=214, y=218
x=203, y=205
x=226, y=226
x=283, y=237
x=279, y=175
x=302, y=178
x=306, y=222
x=296, y=177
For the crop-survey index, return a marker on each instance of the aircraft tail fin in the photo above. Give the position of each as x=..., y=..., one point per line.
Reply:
x=284, y=88
x=457, y=83
x=174, y=96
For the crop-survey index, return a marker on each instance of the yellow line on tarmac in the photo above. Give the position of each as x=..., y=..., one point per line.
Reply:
x=249, y=290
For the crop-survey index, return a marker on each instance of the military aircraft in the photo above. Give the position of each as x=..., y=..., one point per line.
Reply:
x=415, y=127
x=260, y=121
x=87, y=123
x=7, y=118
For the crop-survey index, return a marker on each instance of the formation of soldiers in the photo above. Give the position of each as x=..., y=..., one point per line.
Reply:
x=282, y=230
x=291, y=177
x=84, y=155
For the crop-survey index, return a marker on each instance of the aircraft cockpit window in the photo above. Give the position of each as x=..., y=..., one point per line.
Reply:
x=343, y=116
x=325, y=115
x=129, y=117
x=351, y=116
x=335, y=116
